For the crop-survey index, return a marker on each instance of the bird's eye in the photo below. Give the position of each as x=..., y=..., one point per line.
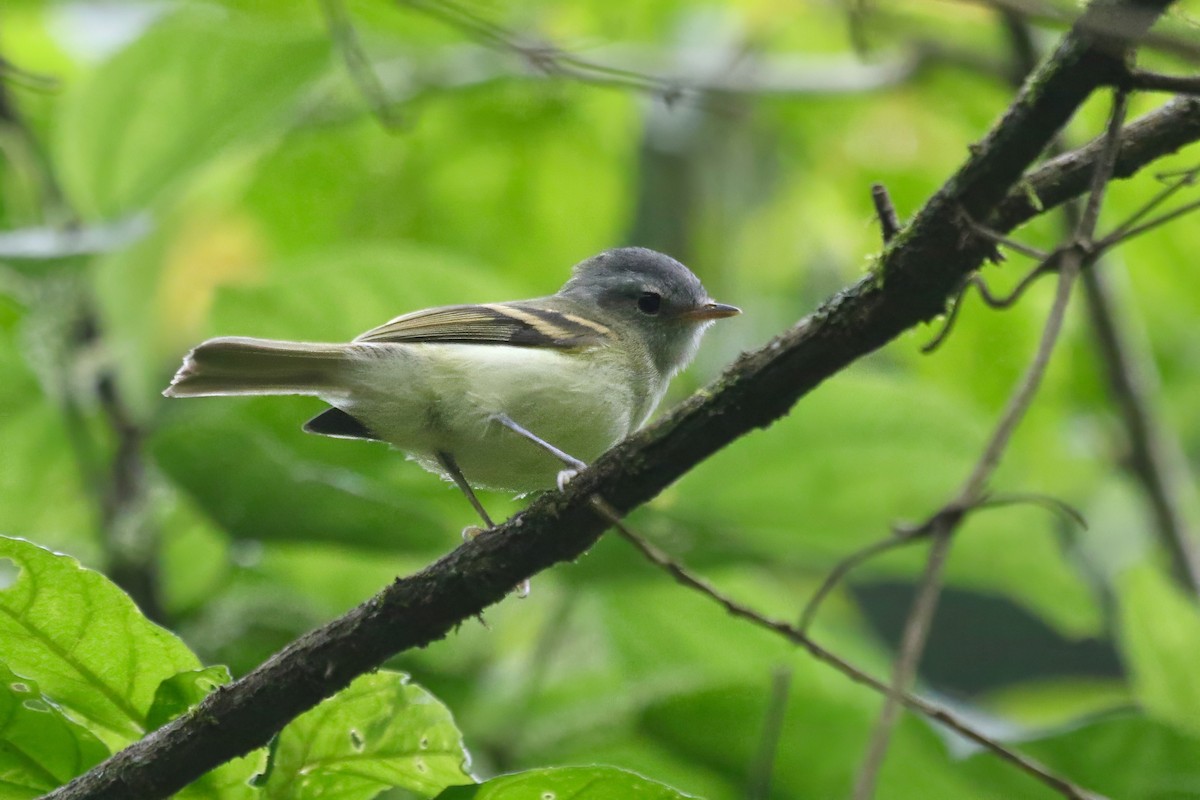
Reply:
x=649, y=302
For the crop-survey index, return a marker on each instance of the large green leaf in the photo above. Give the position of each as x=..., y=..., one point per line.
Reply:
x=567, y=783
x=826, y=724
x=379, y=732
x=861, y=453
x=334, y=294
x=84, y=641
x=42, y=494
x=187, y=90
x=40, y=747
x=1125, y=756
x=257, y=489
x=1160, y=641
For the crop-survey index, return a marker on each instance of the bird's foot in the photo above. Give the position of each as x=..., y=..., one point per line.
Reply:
x=470, y=532
x=564, y=477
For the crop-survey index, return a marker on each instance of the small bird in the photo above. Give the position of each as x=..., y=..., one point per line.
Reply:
x=497, y=395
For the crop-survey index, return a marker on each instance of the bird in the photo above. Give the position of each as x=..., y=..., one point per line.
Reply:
x=515, y=396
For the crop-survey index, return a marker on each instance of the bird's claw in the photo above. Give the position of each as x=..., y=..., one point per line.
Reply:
x=564, y=477
x=470, y=532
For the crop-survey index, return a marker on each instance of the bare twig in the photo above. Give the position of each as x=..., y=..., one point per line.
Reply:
x=889, y=221
x=846, y=565
x=1068, y=512
x=544, y=57
x=674, y=77
x=934, y=712
x=1154, y=459
x=1118, y=27
x=912, y=645
x=1000, y=239
x=1108, y=242
x=904, y=536
x=115, y=485
x=920, y=617
x=989, y=299
x=1147, y=81
x=1174, y=183
x=759, y=784
x=362, y=72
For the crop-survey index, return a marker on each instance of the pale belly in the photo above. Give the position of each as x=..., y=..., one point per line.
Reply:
x=431, y=398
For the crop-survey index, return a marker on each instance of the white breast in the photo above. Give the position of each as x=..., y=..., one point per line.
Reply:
x=425, y=398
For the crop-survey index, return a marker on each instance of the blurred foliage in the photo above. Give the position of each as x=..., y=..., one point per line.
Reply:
x=189, y=168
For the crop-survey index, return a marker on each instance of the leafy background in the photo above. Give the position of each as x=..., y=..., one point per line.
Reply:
x=205, y=168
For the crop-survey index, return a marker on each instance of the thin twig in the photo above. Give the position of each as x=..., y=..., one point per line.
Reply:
x=904, y=536
x=1116, y=26
x=934, y=712
x=889, y=221
x=1175, y=182
x=707, y=87
x=920, y=617
x=362, y=72
x=759, y=785
x=912, y=645
x=989, y=299
x=1112, y=240
x=542, y=56
x=924, y=606
x=956, y=305
x=1154, y=459
x=1002, y=240
x=1147, y=81
x=1065, y=510
x=844, y=567
x=1104, y=169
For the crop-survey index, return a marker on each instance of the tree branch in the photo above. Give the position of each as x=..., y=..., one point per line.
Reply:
x=916, y=273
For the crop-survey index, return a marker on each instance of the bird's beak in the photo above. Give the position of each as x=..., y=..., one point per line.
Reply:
x=711, y=310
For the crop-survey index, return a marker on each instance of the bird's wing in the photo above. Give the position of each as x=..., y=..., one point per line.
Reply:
x=518, y=324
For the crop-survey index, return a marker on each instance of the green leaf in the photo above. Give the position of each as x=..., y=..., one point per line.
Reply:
x=180, y=693
x=1160, y=641
x=567, y=783
x=1124, y=756
x=827, y=721
x=84, y=641
x=40, y=748
x=861, y=453
x=190, y=88
x=372, y=282
x=379, y=732
x=41, y=492
x=257, y=489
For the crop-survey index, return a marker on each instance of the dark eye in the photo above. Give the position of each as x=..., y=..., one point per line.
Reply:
x=649, y=302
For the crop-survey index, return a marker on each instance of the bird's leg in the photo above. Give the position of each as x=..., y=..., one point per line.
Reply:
x=574, y=465
x=471, y=531
x=451, y=466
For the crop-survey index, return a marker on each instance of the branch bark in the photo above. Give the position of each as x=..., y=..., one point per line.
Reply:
x=916, y=273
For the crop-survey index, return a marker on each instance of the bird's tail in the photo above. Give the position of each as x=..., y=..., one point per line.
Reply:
x=238, y=365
